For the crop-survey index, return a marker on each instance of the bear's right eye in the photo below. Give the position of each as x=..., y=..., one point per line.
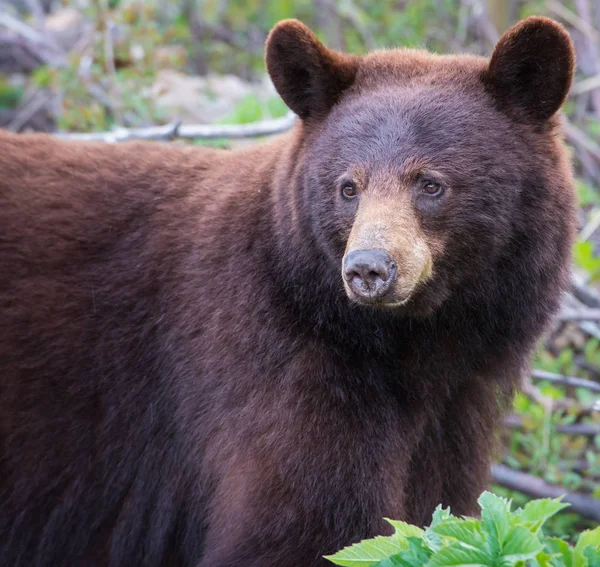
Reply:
x=349, y=190
x=432, y=188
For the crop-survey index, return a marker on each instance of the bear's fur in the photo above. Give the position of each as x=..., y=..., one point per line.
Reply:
x=185, y=376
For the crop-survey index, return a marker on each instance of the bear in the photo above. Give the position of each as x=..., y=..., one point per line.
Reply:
x=251, y=357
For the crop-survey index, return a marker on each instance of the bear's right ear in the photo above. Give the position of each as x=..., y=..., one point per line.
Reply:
x=308, y=76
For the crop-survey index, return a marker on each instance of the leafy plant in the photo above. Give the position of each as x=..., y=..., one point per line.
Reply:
x=501, y=538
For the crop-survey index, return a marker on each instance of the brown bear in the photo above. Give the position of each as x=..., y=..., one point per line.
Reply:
x=222, y=358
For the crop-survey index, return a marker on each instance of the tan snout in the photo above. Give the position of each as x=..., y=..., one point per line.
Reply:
x=387, y=255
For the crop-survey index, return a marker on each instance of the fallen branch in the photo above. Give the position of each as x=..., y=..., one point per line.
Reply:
x=579, y=465
x=17, y=55
x=585, y=429
x=579, y=314
x=566, y=380
x=41, y=44
x=188, y=131
x=537, y=488
x=585, y=85
x=590, y=328
x=583, y=293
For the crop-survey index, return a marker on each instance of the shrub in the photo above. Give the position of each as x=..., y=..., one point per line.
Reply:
x=501, y=538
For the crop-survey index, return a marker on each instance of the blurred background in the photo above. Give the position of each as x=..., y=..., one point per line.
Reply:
x=195, y=67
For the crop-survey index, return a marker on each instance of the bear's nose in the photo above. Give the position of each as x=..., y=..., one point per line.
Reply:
x=369, y=273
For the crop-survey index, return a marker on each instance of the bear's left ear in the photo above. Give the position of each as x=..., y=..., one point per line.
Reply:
x=531, y=69
x=309, y=77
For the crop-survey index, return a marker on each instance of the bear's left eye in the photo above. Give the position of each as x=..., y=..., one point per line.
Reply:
x=431, y=188
x=349, y=190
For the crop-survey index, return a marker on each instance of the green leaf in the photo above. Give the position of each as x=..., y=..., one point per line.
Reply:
x=583, y=254
x=495, y=514
x=440, y=515
x=416, y=555
x=402, y=529
x=587, y=194
x=592, y=555
x=457, y=555
x=396, y=560
x=588, y=537
x=9, y=95
x=369, y=551
x=519, y=545
x=537, y=512
x=560, y=550
x=467, y=532
x=543, y=559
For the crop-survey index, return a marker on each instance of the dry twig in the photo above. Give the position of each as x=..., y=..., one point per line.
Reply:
x=573, y=381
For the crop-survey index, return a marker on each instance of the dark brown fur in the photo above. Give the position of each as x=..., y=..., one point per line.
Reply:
x=183, y=378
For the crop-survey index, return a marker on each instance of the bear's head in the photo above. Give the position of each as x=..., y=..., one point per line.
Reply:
x=424, y=173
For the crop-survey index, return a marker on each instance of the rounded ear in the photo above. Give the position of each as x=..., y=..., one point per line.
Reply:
x=308, y=76
x=531, y=69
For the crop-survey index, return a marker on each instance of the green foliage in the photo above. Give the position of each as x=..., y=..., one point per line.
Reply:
x=99, y=93
x=538, y=446
x=9, y=95
x=583, y=254
x=587, y=194
x=251, y=109
x=501, y=538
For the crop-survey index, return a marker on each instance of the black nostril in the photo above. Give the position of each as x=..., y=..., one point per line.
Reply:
x=369, y=272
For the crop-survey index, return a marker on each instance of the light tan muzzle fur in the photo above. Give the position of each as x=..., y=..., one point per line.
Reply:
x=390, y=224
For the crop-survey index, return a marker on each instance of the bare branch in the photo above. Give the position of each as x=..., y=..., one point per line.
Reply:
x=12, y=23
x=39, y=43
x=583, y=293
x=482, y=20
x=590, y=45
x=579, y=315
x=591, y=328
x=537, y=488
x=19, y=55
x=573, y=381
x=188, y=131
x=572, y=18
x=36, y=102
x=585, y=429
x=585, y=85
x=578, y=137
